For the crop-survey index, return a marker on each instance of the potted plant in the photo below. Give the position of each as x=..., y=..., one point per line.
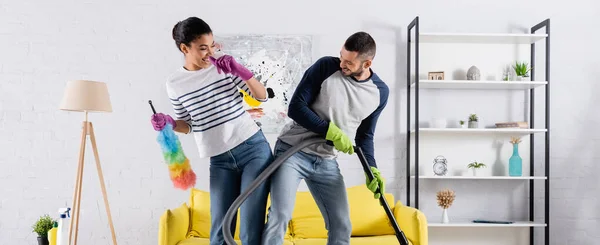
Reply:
x=522, y=71
x=473, y=121
x=476, y=165
x=462, y=124
x=41, y=227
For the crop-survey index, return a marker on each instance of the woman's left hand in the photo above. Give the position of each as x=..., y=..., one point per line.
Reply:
x=227, y=64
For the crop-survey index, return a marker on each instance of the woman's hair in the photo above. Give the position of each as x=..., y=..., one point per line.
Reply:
x=188, y=30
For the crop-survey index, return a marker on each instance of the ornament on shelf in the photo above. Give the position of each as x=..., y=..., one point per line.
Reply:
x=435, y=75
x=473, y=73
x=445, y=198
x=473, y=121
x=476, y=165
x=515, y=162
x=440, y=167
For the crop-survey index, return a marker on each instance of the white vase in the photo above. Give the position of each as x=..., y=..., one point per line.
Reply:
x=522, y=78
x=439, y=122
x=474, y=171
x=464, y=126
x=445, y=219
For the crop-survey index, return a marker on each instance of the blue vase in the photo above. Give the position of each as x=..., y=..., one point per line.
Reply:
x=515, y=163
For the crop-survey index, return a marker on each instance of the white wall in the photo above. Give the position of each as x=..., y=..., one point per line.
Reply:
x=128, y=45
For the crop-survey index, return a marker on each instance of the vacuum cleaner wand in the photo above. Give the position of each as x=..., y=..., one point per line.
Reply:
x=399, y=234
x=228, y=219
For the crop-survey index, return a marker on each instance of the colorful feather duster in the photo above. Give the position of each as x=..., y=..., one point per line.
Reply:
x=180, y=170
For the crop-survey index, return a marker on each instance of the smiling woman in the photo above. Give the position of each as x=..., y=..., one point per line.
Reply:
x=204, y=93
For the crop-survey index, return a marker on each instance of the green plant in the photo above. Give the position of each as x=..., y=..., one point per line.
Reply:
x=476, y=165
x=43, y=225
x=473, y=118
x=462, y=122
x=521, y=69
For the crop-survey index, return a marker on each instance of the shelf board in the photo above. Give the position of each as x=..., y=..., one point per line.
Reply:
x=483, y=38
x=470, y=84
x=471, y=224
x=483, y=177
x=520, y=131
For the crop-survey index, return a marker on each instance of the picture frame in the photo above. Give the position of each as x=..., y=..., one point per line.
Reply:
x=435, y=75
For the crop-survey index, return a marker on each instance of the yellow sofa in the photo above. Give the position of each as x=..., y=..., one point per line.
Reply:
x=189, y=224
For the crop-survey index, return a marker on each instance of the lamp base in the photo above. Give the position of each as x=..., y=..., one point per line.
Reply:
x=88, y=129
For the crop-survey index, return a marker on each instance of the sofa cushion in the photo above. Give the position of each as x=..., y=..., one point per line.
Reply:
x=205, y=241
x=175, y=225
x=196, y=241
x=412, y=222
x=307, y=221
x=379, y=240
x=200, y=215
x=366, y=213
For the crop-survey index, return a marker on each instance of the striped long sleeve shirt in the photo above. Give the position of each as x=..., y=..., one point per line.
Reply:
x=211, y=104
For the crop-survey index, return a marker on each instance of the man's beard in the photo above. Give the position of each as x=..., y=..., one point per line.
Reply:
x=357, y=73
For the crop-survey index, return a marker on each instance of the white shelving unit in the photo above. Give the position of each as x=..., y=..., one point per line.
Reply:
x=481, y=177
x=475, y=225
x=488, y=38
x=506, y=131
x=478, y=85
x=416, y=83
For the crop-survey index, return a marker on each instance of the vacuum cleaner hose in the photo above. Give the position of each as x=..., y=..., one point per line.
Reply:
x=271, y=169
x=258, y=181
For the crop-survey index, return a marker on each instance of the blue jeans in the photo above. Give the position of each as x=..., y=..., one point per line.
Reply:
x=326, y=184
x=230, y=174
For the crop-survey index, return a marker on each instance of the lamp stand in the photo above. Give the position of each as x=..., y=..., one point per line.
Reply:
x=88, y=129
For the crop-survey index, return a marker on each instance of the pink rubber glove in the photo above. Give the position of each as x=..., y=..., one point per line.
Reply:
x=159, y=121
x=227, y=64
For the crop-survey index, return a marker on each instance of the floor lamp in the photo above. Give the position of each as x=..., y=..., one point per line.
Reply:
x=86, y=96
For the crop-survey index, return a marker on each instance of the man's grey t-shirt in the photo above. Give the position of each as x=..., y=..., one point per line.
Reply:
x=325, y=94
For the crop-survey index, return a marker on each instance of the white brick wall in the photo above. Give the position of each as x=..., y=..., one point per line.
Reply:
x=43, y=44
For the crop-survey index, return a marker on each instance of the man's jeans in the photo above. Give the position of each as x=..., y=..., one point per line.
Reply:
x=230, y=174
x=327, y=187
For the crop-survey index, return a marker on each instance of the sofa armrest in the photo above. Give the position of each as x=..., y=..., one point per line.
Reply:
x=412, y=222
x=174, y=225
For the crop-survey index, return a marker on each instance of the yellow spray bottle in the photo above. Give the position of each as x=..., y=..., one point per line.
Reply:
x=52, y=233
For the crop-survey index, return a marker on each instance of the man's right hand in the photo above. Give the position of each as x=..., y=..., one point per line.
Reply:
x=159, y=121
x=340, y=140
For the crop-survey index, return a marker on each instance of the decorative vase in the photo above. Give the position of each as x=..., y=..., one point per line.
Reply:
x=473, y=124
x=523, y=78
x=439, y=122
x=445, y=219
x=474, y=171
x=463, y=126
x=515, y=162
x=43, y=241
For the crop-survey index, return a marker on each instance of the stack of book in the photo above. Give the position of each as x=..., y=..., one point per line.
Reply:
x=512, y=125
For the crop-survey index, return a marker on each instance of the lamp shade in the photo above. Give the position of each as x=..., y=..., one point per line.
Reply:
x=84, y=95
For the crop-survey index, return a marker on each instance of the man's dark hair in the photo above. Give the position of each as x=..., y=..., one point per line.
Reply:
x=186, y=31
x=362, y=43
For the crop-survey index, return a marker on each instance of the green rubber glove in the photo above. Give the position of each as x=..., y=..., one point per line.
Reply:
x=341, y=142
x=378, y=181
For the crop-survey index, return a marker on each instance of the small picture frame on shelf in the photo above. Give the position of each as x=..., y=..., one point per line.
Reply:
x=435, y=75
